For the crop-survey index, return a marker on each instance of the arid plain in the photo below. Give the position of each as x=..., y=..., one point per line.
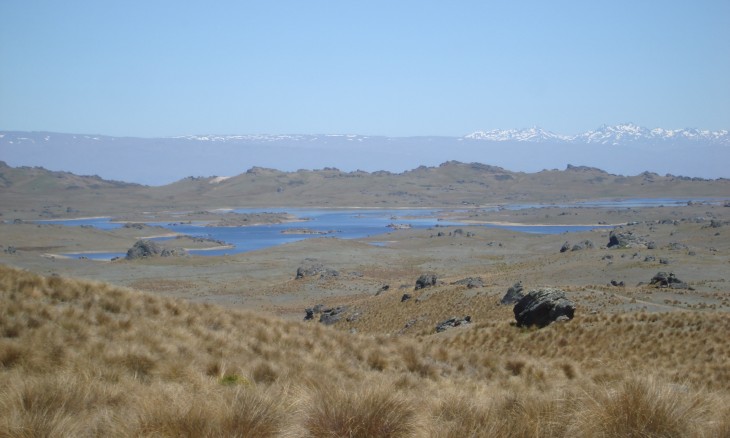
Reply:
x=655, y=355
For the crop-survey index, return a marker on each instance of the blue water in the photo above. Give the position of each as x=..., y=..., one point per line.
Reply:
x=102, y=223
x=342, y=224
x=347, y=224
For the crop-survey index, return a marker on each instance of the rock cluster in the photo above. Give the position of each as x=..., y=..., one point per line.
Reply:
x=426, y=280
x=470, y=282
x=143, y=249
x=316, y=270
x=668, y=280
x=327, y=316
x=542, y=307
x=627, y=240
x=452, y=322
x=585, y=244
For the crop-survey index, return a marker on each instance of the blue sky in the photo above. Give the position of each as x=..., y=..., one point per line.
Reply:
x=399, y=68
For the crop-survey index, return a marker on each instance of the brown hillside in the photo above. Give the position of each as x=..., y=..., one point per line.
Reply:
x=85, y=359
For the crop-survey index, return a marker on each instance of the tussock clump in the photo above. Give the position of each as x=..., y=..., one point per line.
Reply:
x=371, y=410
x=639, y=407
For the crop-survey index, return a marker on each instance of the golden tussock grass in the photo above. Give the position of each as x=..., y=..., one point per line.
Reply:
x=79, y=358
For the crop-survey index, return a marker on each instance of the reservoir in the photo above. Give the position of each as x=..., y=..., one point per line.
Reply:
x=341, y=224
x=349, y=223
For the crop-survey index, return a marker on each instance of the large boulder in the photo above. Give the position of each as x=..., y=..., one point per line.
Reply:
x=144, y=249
x=426, y=280
x=543, y=306
x=627, y=239
x=668, y=280
x=514, y=294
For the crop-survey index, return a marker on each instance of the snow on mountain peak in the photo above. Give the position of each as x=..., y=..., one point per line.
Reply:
x=605, y=134
x=533, y=134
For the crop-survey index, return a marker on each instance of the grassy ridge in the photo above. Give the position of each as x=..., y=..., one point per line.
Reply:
x=79, y=358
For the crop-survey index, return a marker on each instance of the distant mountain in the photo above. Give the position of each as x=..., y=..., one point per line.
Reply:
x=533, y=135
x=608, y=135
x=622, y=149
x=34, y=192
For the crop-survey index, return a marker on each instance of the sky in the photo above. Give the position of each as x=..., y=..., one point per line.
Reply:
x=396, y=68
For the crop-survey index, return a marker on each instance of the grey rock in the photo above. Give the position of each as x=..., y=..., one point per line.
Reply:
x=470, y=282
x=668, y=280
x=426, y=280
x=332, y=315
x=565, y=247
x=405, y=298
x=143, y=249
x=626, y=240
x=586, y=244
x=541, y=307
x=314, y=270
x=452, y=322
x=514, y=294
x=173, y=252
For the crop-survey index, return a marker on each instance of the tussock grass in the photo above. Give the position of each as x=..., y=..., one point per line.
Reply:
x=79, y=358
x=368, y=410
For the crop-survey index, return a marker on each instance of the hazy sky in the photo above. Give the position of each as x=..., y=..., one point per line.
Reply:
x=400, y=68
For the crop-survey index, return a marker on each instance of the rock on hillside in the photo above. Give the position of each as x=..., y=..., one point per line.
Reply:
x=543, y=306
x=514, y=294
x=426, y=280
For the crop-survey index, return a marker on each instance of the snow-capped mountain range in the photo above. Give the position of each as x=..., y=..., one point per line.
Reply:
x=622, y=149
x=608, y=135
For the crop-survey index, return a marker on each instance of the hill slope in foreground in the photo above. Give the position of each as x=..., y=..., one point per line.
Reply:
x=80, y=358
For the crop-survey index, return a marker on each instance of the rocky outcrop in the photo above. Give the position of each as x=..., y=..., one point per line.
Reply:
x=173, y=252
x=586, y=244
x=617, y=283
x=314, y=270
x=426, y=280
x=405, y=298
x=143, y=249
x=542, y=307
x=668, y=280
x=135, y=226
x=452, y=322
x=514, y=294
x=310, y=311
x=627, y=239
x=332, y=315
x=470, y=282
x=329, y=315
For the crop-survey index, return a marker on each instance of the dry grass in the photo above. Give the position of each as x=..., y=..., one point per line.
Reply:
x=87, y=359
